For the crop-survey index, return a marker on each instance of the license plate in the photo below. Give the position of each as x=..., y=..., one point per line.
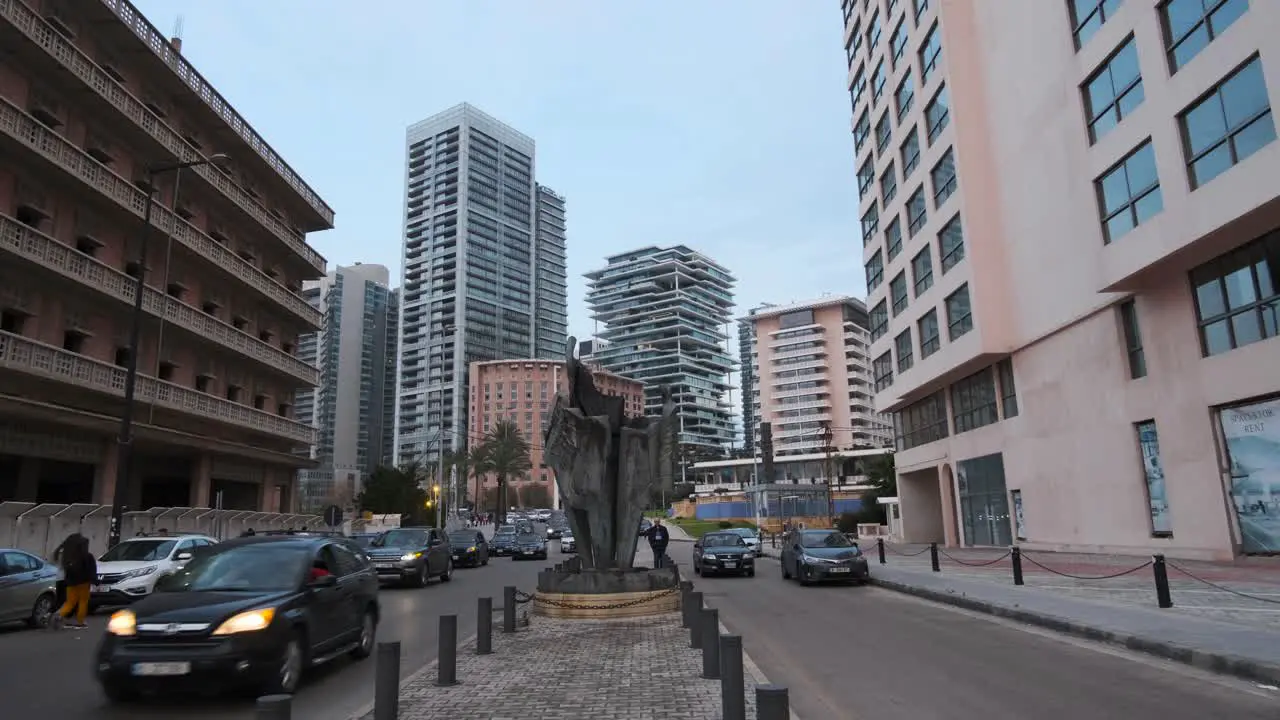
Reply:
x=384, y=565
x=838, y=570
x=162, y=669
x=731, y=564
x=100, y=589
x=527, y=552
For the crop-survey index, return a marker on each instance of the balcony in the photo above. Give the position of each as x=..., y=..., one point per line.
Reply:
x=52, y=255
x=65, y=53
x=39, y=360
x=53, y=147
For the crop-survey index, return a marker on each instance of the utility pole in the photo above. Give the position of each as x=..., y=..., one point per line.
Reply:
x=828, y=442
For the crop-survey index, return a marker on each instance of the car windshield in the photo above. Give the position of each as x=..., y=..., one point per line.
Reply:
x=140, y=551
x=529, y=538
x=462, y=539
x=723, y=541
x=363, y=540
x=260, y=567
x=506, y=530
x=404, y=537
x=824, y=540
x=744, y=532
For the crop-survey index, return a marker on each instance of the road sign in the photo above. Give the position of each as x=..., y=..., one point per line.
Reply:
x=333, y=516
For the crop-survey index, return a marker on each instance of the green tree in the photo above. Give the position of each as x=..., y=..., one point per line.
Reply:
x=535, y=495
x=505, y=453
x=395, y=491
x=882, y=476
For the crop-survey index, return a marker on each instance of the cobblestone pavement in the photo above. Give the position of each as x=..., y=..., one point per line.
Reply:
x=1255, y=577
x=632, y=669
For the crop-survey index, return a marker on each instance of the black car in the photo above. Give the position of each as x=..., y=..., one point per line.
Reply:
x=470, y=549
x=723, y=553
x=504, y=540
x=253, y=613
x=530, y=547
x=822, y=555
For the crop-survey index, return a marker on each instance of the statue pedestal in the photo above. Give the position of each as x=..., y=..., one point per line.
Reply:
x=598, y=594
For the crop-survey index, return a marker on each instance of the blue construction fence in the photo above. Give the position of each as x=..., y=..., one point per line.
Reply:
x=785, y=507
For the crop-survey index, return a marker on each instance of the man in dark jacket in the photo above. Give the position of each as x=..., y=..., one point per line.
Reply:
x=658, y=539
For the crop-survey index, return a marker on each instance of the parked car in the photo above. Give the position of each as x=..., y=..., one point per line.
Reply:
x=130, y=570
x=568, y=544
x=28, y=588
x=470, y=549
x=822, y=555
x=751, y=537
x=530, y=546
x=412, y=555
x=255, y=612
x=724, y=552
x=504, y=540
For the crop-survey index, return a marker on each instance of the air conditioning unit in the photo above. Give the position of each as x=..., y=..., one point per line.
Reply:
x=153, y=104
x=108, y=66
x=45, y=109
x=218, y=231
x=185, y=209
x=99, y=148
x=32, y=202
x=59, y=19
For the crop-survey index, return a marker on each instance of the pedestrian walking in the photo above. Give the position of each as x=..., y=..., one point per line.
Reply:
x=658, y=536
x=81, y=568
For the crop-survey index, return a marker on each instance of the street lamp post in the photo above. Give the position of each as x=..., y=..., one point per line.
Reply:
x=435, y=492
x=124, y=441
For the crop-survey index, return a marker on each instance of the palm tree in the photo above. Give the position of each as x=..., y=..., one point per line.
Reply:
x=505, y=453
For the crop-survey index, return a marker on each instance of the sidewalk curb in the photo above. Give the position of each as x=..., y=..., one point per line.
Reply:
x=1221, y=663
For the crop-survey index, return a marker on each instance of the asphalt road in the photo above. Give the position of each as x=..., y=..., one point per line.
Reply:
x=49, y=675
x=865, y=653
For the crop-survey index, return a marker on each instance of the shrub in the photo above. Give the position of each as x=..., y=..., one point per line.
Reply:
x=848, y=522
x=725, y=524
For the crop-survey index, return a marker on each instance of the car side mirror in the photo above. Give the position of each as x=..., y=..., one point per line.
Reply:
x=183, y=556
x=324, y=581
x=697, y=546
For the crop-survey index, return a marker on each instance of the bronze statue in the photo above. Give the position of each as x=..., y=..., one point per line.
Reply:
x=606, y=464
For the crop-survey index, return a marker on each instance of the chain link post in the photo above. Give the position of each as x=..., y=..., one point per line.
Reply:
x=509, y=609
x=386, y=682
x=933, y=557
x=1158, y=568
x=447, y=652
x=686, y=587
x=710, y=621
x=733, y=697
x=772, y=703
x=484, y=626
x=880, y=548
x=1015, y=557
x=273, y=707
x=695, y=628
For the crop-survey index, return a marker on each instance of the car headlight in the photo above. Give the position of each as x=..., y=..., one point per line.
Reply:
x=471, y=549
x=411, y=556
x=708, y=557
x=250, y=621
x=140, y=572
x=814, y=559
x=123, y=622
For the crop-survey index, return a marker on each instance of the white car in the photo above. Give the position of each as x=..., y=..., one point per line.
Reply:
x=751, y=537
x=129, y=571
x=567, y=544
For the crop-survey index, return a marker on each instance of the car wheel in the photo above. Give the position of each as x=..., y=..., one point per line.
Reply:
x=447, y=575
x=118, y=693
x=485, y=561
x=802, y=572
x=422, y=576
x=751, y=573
x=41, y=611
x=368, y=636
x=289, y=671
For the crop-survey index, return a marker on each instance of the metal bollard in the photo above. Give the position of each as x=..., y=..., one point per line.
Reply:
x=273, y=707
x=509, y=609
x=695, y=627
x=733, y=698
x=880, y=549
x=686, y=587
x=447, y=654
x=1161, y=572
x=933, y=556
x=710, y=620
x=386, y=682
x=484, y=626
x=1015, y=556
x=772, y=703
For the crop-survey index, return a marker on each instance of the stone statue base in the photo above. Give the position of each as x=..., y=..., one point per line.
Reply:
x=614, y=593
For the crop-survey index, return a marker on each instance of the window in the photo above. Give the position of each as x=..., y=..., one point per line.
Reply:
x=882, y=371
x=1190, y=25
x=870, y=224
x=878, y=82
x=858, y=87
x=921, y=422
x=862, y=131
x=878, y=319
x=873, y=32
x=910, y=153
x=921, y=6
x=1129, y=193
x=1228, y=125
x=898, y=293
x=959, y=313
x=855, y=37
x=893, y=238
x=866, y=176
x=902, y=348
x=904, y=95
x=973, y=401
x=875, y=271
x=937, y=114
x=1008, y=388
x=1133, y=339
x=1113, y=92
x=930, y=335
x=1157, y=499
x=951, y=244
x=888, y=184
x=944, y=178
x=898, y=42
x=922, y=271
x=799, y=318
x=884, y=131
x=916, y=211
x=930, y=54
x=1087, y=17
x=1238, y=296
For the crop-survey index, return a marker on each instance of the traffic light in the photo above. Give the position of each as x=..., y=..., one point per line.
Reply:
x=766, y=452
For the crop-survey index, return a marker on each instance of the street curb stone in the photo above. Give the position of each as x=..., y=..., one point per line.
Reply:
x=1221, y=663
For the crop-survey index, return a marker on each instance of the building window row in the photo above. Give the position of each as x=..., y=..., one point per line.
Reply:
x=1237, y=296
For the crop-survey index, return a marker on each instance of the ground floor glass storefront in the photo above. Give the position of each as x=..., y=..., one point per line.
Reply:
x=984, y=501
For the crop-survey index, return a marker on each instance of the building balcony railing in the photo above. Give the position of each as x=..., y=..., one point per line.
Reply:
x=58, y=150
x=808, y=365
x=43, y=250
x=211, y=97
x=78, y=64
x=785, y=354
x=821, y=390
x=37, y=359
x=802, y=406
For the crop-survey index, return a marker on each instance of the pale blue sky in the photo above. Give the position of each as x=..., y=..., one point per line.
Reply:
x=719, y=124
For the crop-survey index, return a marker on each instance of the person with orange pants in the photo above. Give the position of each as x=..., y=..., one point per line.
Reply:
x=81, y=567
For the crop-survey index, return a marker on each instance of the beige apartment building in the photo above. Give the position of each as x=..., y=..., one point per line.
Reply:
x=91, y=96
x=1070, y=225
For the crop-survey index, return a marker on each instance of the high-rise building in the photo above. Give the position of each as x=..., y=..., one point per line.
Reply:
x=747, y=375
x=89, y=95
x=812, y=377
x=353, y=409
x=1070, y=261
x=483, y=245
x=666, y=312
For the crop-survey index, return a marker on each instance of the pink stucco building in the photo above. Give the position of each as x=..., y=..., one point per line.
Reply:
x=1070, y=223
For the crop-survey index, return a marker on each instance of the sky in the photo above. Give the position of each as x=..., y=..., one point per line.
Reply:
x=723, y=125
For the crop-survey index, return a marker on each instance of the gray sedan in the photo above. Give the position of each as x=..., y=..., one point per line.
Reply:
x=28, y=588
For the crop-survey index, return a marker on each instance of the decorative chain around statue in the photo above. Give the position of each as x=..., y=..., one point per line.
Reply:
x=606, y=465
